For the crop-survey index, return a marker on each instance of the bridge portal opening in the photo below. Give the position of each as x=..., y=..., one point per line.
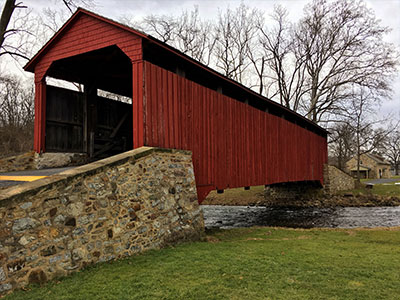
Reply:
x=96, y=117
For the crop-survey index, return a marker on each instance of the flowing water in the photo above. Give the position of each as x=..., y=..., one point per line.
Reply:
x=216, y=216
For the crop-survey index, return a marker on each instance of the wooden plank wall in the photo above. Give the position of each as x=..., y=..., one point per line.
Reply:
x=64, y=120
x=85, y=33
x=233, y=144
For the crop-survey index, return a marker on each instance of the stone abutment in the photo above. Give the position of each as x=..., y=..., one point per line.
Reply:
x=138, y=200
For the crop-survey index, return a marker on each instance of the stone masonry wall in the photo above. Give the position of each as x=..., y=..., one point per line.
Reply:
x=58, y=159
x=336, y=180
x=290, y=193
x=21, y=162
x=139, y=200
x=33, y=161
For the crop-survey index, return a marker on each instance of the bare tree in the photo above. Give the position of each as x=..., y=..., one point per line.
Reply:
x=8, y=9
x=16, y=102
x=285, y=64
x=186, y=32
x=71, y=5
x=316, y=62
x=193, y=36
x=18, y=27
x=223, y=45
x=13, y=29
x=343, y=44
x=50, y=21
x=258, y=57
x=16, y=115
x=163, y=27
x=234, y=33
x=341, y=143
x=392, y=150
x=368, y=136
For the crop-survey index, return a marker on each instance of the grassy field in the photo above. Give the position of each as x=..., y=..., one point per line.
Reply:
x=252, y=263
x=236, y=196
x=385, y=189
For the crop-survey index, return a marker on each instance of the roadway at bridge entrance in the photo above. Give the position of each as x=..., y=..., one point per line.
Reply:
x=18, y=177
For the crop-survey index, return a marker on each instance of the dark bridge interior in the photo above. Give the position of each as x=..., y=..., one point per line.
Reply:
x=84, y=121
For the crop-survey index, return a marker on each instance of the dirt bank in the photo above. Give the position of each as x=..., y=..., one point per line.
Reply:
x=346, y=200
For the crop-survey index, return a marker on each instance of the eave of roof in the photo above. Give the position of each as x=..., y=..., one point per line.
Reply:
x=377, y=159
x=362, y=168
x=30, y=66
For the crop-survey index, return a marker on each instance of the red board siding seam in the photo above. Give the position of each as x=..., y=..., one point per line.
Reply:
x=137, y=104
x=40, y=115
x=233, y=144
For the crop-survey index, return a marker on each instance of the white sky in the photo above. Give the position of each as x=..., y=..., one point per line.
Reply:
x=386, y=10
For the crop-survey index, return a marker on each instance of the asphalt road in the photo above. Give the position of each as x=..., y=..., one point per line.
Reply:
x=382, y=180
x=15, y=178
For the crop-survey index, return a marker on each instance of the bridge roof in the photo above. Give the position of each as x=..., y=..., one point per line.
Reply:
x=30, y=66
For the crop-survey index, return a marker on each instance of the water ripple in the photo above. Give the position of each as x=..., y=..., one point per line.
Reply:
x=216, y=216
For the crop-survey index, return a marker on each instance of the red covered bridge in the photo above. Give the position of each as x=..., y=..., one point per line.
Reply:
x=238, y=138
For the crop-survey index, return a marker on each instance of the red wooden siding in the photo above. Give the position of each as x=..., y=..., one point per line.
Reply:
x=86, y=33
x=233, y=144
x=40, y=116
x=137, y=103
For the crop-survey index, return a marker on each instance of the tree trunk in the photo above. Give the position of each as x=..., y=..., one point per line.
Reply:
x=358, y=168
x=358, y=156
x=8, y=9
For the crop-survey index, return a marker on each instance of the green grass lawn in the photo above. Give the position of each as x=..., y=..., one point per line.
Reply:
x=252, y=263
x=237, y=196
x=385, y=189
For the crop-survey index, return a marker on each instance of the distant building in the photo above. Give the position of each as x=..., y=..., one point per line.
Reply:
x=371, y=166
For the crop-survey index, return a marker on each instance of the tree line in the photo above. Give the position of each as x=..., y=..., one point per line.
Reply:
x=332, y=65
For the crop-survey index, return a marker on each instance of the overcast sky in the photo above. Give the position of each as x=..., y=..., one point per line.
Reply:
x=386, y=10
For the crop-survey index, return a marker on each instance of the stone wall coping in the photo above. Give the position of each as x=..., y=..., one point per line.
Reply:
x=28, y=154
x=344, y=172
x=18, y=193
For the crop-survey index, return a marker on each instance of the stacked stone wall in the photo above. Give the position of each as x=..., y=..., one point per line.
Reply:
x=36, y=161
x=291, y=192
x=307, y=192
x=21, y=162
x=123, y=205
x=336, y=180
x=57, y=160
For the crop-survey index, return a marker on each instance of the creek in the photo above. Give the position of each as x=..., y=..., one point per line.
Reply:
x=224, y=217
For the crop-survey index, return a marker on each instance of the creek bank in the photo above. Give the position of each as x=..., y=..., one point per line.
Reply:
x=322, y=201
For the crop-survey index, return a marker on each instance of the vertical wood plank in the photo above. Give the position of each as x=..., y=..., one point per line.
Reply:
x=233, y=144
x=40, y=115
x=137, y=104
